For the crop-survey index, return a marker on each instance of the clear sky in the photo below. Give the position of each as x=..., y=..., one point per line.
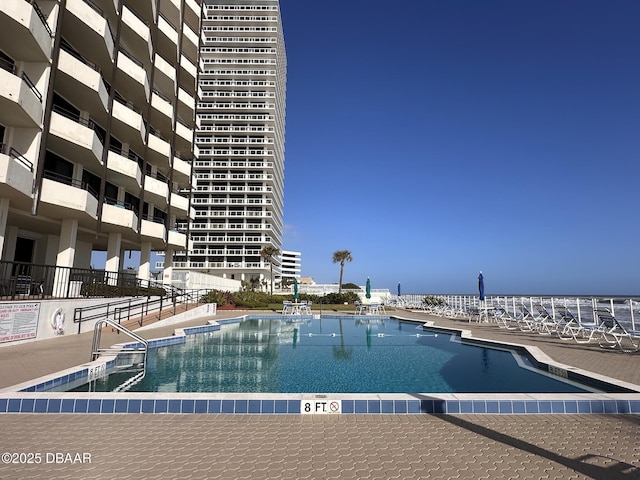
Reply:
x=437, y=138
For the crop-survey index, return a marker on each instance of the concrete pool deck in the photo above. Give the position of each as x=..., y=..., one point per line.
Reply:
x=296, y=446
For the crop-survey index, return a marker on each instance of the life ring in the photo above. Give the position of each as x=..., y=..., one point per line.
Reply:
x=57, y=321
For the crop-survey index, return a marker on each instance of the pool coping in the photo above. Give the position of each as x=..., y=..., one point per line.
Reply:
x=34, y=396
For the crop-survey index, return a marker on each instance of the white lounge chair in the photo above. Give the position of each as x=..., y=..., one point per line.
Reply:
x=504, y=320
x=615, y=335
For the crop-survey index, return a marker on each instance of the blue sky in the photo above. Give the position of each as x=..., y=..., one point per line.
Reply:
x=434, y=139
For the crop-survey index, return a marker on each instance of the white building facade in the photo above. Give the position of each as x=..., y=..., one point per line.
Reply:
x=239, y=164
x=291, y=265
x=97, y=118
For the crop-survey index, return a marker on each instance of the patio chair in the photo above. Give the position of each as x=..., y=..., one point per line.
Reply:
x=503, y=319
x=572, y=328
x=546, y=324
x=361, y=309
x=473, y=312
x=374, y=308
x=567, y=325
x=287, y=307
x=615, y=335
x=527, y=321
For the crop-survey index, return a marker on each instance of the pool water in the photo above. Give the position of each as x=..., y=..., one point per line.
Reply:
x=334, y=355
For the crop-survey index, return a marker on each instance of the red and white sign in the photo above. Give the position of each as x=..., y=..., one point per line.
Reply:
x=18, y=321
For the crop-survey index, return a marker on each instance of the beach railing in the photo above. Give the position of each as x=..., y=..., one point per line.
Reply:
x=625, y=309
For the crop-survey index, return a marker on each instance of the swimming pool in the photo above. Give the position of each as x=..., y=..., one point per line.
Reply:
x=336, y=355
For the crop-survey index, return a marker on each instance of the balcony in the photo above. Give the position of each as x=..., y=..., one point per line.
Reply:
x=189, y=42
x=132, y=78
x=25, y=33
x=20, y=101
x=156, y=191
x=124, y=171
x=16, y=175
x=190, y=72
x=164, y=78
x=75, y=138
x=153, y=230
x=170, y=9
x=177, y=239
x=87, y=30
x=159, y=151
x=128, y=125
x=192, y=14
x=179, y=205
x=62, y=197
x=181, y=171
x=186, y=104
x=81, y=80
x=137, y=34
x=161, y=111
x=184, y=136
x=119, y=217
x=168, y=38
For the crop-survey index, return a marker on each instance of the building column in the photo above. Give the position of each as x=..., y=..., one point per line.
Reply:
x=62, y=286
x=113, y=256
x=67, y=244
x=168, y=266
x=4, y=213
x=144, y=270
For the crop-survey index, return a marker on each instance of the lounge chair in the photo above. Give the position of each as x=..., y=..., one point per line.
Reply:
x=546, y=324
x=615, y=335
x=573, y=329
x=504, y=320
x=527, y=322
x=473, y=312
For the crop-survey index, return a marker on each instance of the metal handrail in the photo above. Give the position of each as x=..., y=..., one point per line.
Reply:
x=96, y=351
x=97, y=336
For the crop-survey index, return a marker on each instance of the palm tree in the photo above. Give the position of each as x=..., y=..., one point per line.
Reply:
x=269, y=252
x=341, y=256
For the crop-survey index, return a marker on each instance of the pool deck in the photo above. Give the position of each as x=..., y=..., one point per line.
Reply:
x=384, y=446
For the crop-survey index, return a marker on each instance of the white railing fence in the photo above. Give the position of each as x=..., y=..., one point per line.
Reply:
x=625, y=309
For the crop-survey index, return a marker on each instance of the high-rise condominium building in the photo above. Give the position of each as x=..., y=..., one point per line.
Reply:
x=97, y=113
x=239, y=164
x=291, y=266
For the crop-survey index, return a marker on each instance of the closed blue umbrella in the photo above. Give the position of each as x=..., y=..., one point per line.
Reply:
x=295, y=288
x=368, y=288
x=398, y=289
x=481, y=286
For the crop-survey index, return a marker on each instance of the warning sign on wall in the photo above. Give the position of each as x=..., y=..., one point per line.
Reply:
x=18, y=321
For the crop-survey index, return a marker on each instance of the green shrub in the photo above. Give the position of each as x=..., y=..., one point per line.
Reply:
x=216, y=296
x=337, y=298
x=251, y=299
x=111, y=291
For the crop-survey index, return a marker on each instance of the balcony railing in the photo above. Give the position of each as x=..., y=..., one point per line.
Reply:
x=85, y=122
x=41, y=16
x=57, y=177
x=7, y=65
x=13, y=153
x=19, y=280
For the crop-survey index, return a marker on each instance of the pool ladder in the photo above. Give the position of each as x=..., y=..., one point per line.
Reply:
x=142, y=345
